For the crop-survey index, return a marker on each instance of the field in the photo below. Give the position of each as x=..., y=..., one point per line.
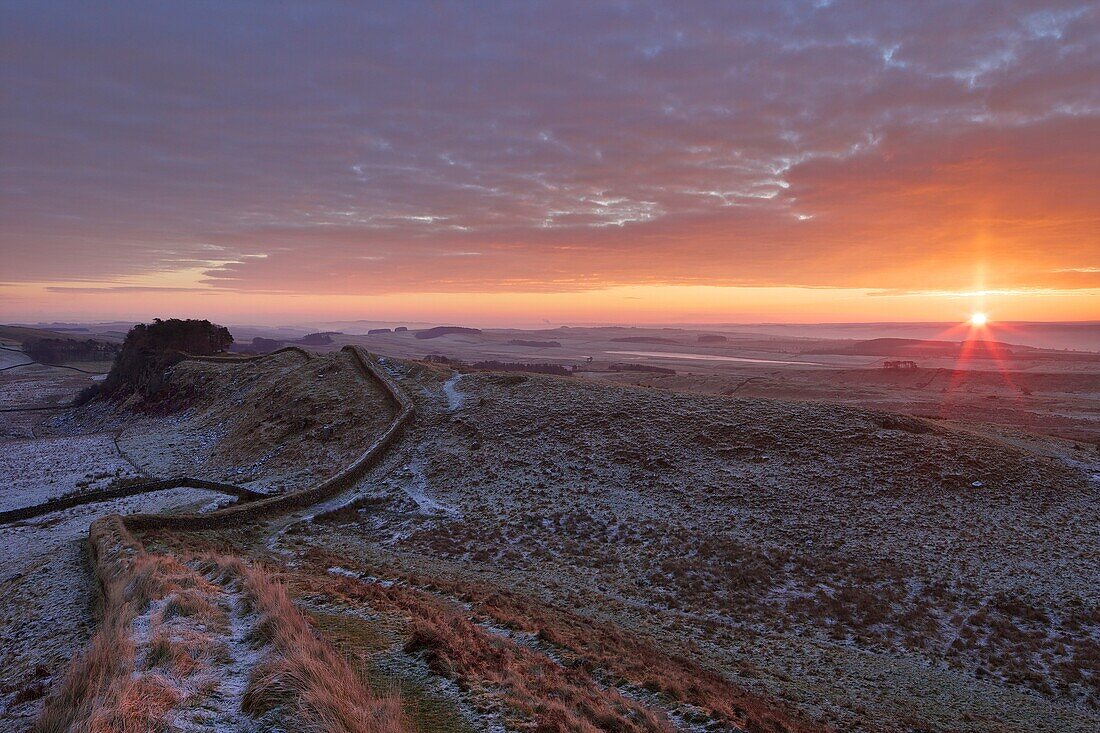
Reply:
x=741, y=545
x=1035, y=388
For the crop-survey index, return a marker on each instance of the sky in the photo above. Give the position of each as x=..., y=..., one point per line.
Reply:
x=550, y=162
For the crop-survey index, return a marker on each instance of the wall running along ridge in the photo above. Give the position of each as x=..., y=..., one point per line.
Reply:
x=295, y=500
x=254, y=504
x=145, y=487
x=114, y=547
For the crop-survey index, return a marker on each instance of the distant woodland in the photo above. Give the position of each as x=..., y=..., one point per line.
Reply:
x=61, y=350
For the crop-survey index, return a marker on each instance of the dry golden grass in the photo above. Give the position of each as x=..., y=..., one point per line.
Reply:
x=195, y=604
x=97, y=688
x=183, y=653
x=99, y=692
x=558, y=699
x=457, y=647
x=138, y=706
x=302, y=678
x=552, y=697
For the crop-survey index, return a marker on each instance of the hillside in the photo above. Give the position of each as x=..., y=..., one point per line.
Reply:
x=269, y=423
x=930, y=349
x=911, y=348
x=831, y=556
x=14, y=335
x=551, y=554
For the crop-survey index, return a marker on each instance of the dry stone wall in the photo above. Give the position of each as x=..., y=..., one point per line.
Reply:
x=254, y=505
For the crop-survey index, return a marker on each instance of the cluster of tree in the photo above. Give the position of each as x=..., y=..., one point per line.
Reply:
x=149, y=349
x=61, y=350
x=433, y=333
x=260, y=345
x=323, y=338
x=646, y=340
x=510, y=366
x=263, y=345
x=535, y=344
x=640, y=368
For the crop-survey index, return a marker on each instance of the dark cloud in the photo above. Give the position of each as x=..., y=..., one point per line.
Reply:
x=337, y=147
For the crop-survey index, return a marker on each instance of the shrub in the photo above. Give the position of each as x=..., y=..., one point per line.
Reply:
x=318, y=339
x=86, y=395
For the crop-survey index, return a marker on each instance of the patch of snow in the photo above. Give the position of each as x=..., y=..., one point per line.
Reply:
x=215, y=504
x=221, y=708
x=38, y=469
x=243, y=658
x=455, y=399
x=345, y=572
x=417, y=490
x=336, y=570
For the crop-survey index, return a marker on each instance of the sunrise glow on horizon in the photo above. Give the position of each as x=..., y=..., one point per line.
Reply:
x=526, y=164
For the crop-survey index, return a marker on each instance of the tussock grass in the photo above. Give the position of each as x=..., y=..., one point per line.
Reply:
x=104, y=690
x=559, y=699
x=455, y=647
x=100, y=692
x=121, y=685
x=138, y=705
x=301, y=678
x=552, y=697
x=636, y=660
x=194, y=604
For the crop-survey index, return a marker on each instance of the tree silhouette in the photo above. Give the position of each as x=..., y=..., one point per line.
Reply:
x=149, y=349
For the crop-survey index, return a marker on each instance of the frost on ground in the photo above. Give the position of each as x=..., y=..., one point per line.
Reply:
x=47, y=596
x=840, y=560
x=837, y=557
x=211, y=699
x=38, y=386
x=33, y=471
x=455, y=398
x=414, y=482
x=10, y=358
x=273, y=425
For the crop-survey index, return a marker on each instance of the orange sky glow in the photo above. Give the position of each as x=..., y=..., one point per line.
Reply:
x=650, y=304
x=539, y=164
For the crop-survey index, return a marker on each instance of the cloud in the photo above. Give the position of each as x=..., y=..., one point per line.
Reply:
x=121, y=289
x=570, y=146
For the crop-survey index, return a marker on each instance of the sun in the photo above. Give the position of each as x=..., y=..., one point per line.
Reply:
x=978, y=319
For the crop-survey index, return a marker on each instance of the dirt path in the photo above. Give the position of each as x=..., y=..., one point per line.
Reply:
x=455, y=398
x=220, y=706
